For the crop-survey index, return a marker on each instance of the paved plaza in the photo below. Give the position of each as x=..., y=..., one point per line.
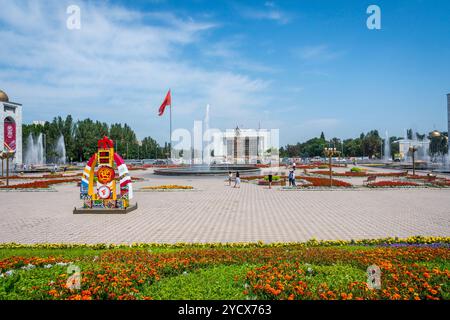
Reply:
x=215, y=212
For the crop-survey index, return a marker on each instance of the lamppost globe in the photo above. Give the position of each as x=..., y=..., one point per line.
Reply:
x=435, y=134
x=413, y=150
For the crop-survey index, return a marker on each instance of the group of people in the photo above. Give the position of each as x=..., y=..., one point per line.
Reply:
x=237, y=179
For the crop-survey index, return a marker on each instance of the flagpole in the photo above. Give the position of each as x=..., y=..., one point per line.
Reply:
x=170, y=136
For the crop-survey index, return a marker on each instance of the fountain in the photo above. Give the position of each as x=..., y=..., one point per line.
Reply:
x=206, y=168
x=387, y=148
x=206, y=151
x=34, y=154
x=60, y=150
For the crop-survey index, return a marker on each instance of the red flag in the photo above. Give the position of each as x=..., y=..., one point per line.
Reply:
x=167, y=101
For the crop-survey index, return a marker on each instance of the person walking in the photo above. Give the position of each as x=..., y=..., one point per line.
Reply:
x=237, y=180
x=290, y=178
x=293, y=178
x=230, y=177
x=270, y=180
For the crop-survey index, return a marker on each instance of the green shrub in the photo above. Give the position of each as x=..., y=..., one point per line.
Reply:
x=356, y=169
x=274, y=178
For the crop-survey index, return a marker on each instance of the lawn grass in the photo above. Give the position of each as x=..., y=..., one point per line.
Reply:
x=20, y=285
x=216, y=283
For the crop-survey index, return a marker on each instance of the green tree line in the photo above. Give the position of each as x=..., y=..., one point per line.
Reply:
x=80, y=138
x=369, y=144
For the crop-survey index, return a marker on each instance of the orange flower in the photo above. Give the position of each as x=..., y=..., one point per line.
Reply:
x=396, y=296
x=52, y=292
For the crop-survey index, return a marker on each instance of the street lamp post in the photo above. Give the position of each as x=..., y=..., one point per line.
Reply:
x=6, y=155
x=413, y=150
x=2, y=156
x=330, y=152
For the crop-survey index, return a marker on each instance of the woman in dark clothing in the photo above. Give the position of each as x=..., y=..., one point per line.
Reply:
x=237, y=181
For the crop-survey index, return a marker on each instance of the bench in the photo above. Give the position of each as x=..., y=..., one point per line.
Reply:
x=369, y=179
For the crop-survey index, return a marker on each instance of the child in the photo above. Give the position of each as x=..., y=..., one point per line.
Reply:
x=237, y=181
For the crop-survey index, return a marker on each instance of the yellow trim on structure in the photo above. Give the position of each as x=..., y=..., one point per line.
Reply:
x=91, y=179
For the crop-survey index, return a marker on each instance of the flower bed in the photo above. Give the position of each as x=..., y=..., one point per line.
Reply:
x=402, y=276
x=323, y=182
x=45, y=176
x=44, y=184
x=359, y=174
x=270, y=272
x=413, y=240
x=168, y=187
x=306, y=166
x=250, y=178
x=424, y=178
x=265, y=182
x=392, y=184
x=441, y=183
x=13, y=263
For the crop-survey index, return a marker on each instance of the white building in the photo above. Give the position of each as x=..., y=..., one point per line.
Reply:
x=11, y=127
x=248, y=146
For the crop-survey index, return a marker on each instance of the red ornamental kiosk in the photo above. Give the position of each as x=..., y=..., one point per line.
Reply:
x=109, y=189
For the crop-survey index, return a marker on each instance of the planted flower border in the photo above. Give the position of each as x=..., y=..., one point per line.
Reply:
x=393, y=184
x=166, y=188
x=44, y=185
x=410, y=270
x=361, y=174
x=313, y=242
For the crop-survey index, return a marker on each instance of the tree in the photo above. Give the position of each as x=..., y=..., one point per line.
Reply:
x=322, y=136
x=371, y=144
x=81, y=138
x=353, y=147
x=313, y=147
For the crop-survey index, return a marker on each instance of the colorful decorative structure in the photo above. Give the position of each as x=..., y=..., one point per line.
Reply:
x=11, y=129
x=104, y=191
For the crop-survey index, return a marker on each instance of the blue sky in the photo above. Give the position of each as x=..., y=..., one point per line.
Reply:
x=300, y=66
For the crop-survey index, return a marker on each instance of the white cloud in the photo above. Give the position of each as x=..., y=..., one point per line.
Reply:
x=269, y=12
x=316, y=53
x=229, y=51
x=117, y=68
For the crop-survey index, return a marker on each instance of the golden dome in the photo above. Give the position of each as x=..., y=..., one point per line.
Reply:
x=3, y=96
x=435, y=134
